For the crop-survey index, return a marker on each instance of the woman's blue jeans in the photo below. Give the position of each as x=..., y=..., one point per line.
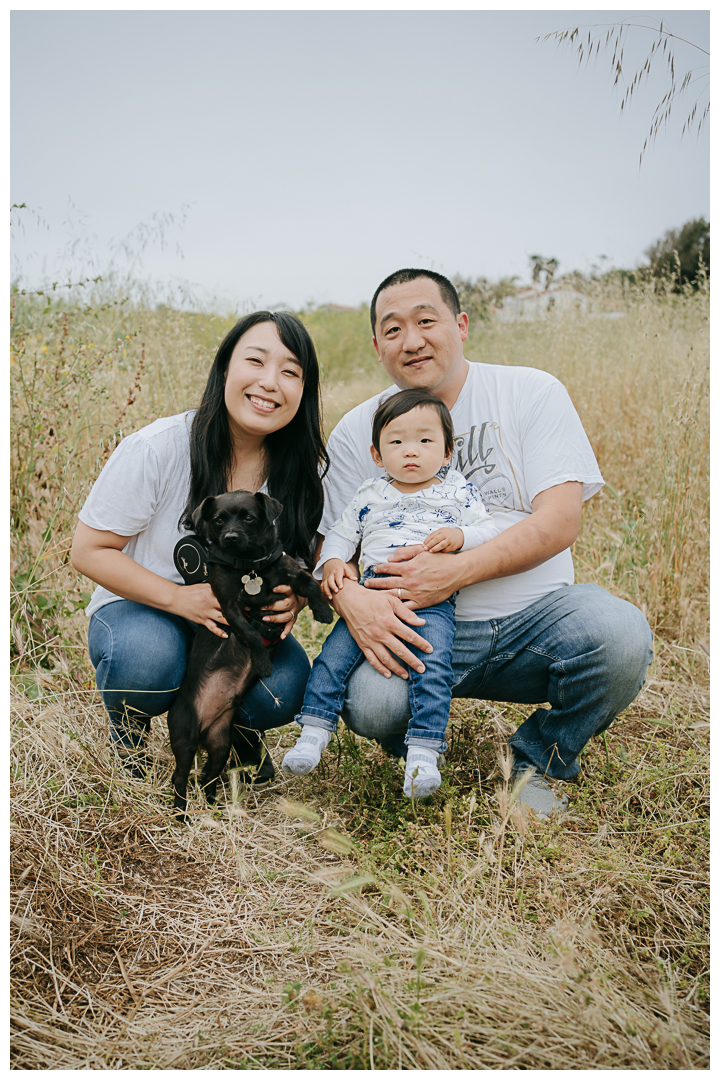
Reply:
x=140, y=654
x=430, y=692
x=580, y=649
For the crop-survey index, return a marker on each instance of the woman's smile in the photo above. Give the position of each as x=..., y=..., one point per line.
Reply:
x=264, y=404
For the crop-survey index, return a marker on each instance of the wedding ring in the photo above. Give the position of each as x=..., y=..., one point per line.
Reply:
x=399, y=594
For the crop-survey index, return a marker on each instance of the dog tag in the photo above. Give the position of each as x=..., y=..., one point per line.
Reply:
x=252, y=584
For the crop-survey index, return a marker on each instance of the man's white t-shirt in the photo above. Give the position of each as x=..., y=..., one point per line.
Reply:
x=516, y=434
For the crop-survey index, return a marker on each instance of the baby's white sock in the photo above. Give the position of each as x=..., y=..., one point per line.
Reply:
x=421, y=772
x=305, y=754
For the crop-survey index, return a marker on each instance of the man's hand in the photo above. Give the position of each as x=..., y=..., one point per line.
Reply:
x=418, y=576
x=445, y=540
x=379, y=624
x=334, y=570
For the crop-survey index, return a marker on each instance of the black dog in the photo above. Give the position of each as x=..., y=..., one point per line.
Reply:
x=247, y=562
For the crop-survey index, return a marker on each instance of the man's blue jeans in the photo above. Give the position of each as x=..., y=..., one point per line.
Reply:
x=580, y=649
x=429, y=693
x=140, y=654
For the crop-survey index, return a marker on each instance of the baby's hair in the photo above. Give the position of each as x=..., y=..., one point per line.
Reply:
x=401, y=403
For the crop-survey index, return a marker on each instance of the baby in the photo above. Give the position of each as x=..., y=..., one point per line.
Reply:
x=419, y=500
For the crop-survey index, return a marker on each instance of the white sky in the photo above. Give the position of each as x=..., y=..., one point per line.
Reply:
x=314, y=152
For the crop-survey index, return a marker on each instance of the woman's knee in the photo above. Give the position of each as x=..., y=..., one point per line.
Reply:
x=376, y=707
x=138, y=650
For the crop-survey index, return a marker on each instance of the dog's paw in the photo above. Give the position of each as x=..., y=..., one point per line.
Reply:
x=322, y=611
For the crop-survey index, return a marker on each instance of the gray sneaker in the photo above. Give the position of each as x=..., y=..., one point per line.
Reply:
x=538, y=794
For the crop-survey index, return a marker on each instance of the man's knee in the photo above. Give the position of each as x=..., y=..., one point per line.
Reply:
x=614, y=644
x=626, y=636
x=376, y=707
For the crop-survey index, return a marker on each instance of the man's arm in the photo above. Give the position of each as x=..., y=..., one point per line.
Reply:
x=551, y=528
x=374, y=617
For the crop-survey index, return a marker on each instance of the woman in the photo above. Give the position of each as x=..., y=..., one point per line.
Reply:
x=258, y=428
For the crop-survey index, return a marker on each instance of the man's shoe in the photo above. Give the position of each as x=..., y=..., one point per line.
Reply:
x=538, y=794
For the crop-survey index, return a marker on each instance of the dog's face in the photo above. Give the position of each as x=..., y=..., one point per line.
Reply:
x=238, y=522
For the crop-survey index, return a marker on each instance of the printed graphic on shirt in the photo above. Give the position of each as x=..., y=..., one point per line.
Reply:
x=480, y=456
x=409, y=512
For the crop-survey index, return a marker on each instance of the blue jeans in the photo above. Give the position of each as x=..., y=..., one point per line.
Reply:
x=429, y=693
x=581, y=649
x=140, y=654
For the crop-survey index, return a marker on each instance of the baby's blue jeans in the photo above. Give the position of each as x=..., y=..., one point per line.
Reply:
x=429, y=692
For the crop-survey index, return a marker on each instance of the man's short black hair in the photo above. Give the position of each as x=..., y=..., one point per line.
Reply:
x=447, y=290
x=401, y=403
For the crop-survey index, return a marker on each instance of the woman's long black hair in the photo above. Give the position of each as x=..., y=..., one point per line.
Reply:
x=295, y=453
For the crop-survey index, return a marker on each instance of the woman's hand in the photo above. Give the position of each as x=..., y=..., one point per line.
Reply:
x=286, y=609
x=100, y=557
x=198, y=604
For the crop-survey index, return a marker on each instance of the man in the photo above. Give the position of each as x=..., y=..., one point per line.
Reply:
x=525, y=633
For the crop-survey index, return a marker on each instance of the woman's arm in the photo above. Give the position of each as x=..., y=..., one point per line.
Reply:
x=99, y=556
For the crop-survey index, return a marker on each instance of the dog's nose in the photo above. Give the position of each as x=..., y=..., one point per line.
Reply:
x=230, y=536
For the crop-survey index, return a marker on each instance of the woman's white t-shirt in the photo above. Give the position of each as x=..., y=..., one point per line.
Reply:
x=516, y=434
x=141, y=493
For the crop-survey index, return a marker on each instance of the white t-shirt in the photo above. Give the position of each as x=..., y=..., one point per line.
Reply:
x=141, y=493
x=383, y=519
x=516, y=434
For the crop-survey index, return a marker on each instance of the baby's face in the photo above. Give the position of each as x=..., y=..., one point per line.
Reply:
x=412, y=447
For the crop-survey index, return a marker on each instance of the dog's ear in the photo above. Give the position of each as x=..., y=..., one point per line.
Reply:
x=202, y=513
x=271, y=507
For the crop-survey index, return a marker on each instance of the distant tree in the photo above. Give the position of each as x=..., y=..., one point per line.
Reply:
x=695, y=80
x=539, y=265
x=682, y=256
x=479, y=296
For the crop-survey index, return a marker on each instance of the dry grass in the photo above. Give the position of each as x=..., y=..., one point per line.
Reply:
x=328, y=922
x=233, y=943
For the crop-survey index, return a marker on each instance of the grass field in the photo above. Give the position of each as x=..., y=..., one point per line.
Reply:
x=329, y=922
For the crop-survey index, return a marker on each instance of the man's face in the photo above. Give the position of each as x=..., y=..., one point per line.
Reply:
x=417, y=338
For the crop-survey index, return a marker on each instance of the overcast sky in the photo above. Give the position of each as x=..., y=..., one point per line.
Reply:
x=302, y=156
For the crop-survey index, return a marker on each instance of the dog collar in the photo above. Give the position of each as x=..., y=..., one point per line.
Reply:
x=217, y=555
